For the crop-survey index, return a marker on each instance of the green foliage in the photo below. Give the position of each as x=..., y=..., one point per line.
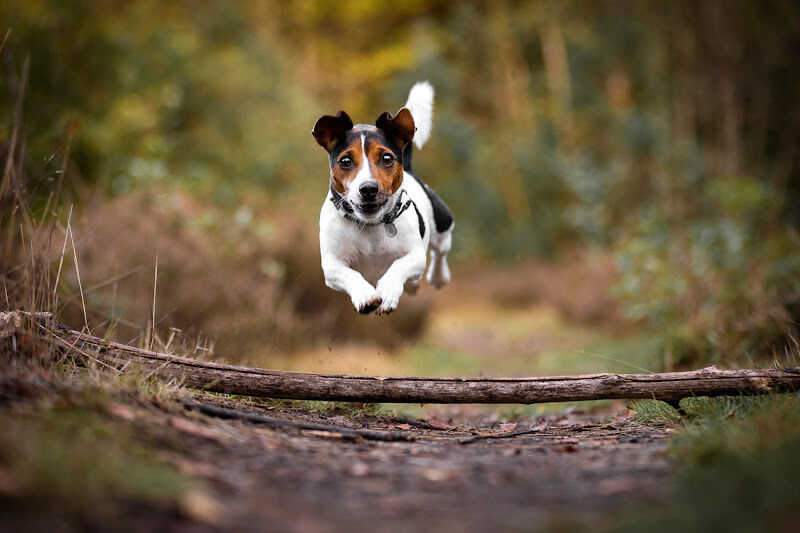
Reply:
x=348, y=409
x=740, y=461
x=647, y=130
x=74, y=463
x=717, y=286
x=654, y=412
x=197, y=96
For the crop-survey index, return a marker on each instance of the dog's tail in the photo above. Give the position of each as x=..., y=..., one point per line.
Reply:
x=420, y=103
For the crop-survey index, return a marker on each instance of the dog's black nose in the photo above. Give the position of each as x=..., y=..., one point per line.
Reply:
x=368, y=190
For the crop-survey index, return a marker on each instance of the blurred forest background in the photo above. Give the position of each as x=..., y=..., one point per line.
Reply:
x=618, y=170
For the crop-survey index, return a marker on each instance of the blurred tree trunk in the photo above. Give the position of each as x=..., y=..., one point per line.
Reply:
x=513, y=107
x=556, y=64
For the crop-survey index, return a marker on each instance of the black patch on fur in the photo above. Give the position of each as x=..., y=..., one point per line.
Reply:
x=407, y=152
x=420, y=220
x=442, y=216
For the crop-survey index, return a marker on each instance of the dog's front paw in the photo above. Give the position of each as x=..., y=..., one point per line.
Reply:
x=365, y=300
x=390, y=296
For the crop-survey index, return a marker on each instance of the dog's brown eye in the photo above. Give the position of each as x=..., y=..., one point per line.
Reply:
x=387, y=160
x=346, y=162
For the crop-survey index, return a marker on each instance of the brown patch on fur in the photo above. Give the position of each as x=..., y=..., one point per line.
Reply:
x=389, y=178
x=330, y=130
x=340, y=177
x=400, y=128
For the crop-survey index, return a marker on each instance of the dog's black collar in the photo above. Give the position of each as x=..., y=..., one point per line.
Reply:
x=399, y=207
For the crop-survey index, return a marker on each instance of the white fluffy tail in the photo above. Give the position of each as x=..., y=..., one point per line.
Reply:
x=420, y=103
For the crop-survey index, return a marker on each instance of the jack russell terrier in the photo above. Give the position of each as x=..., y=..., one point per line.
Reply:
x=379, y=218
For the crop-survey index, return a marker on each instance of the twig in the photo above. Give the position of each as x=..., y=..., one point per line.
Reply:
x=72, y=346
x=345, y=433
x=153, y=322
x=78, y=273
x=61, y=261
x=421, y=424
x=475, y=438
x=102, y=284
x=3, y=44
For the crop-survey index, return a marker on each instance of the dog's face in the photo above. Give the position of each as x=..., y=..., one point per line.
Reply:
x=366, y=161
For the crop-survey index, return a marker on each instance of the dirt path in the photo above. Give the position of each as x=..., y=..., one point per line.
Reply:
x=573, y=471
x=576, y=470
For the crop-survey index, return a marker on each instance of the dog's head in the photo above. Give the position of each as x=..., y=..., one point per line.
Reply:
x=366, y=161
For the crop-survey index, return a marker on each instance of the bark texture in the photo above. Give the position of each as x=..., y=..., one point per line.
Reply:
x=231, y=379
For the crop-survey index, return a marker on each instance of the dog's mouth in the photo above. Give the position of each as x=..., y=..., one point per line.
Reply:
x=370, y=209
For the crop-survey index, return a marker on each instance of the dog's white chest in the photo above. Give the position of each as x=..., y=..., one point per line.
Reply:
x=373, y=268
x=372, y=251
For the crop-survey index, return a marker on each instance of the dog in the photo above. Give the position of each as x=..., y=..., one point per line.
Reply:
x=379, y=218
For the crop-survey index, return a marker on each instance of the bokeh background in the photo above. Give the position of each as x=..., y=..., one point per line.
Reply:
x=624, y=176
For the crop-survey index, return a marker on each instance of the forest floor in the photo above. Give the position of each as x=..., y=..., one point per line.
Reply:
x=83, y=448
x=573, y=470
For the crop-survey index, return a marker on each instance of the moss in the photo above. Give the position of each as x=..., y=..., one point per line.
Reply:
x=77, y=464
x=739, y=466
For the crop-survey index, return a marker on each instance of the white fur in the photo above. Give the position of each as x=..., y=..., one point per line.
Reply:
x=369, y=265
x=372, y=267
x=420, y=103
x=364, y=174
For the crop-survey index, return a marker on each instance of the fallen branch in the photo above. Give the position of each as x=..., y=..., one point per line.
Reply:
x=334, y=431
x=509, y=435
x=218, y=377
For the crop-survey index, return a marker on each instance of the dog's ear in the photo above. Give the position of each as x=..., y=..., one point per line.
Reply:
x=400, y=128
x=329, y=130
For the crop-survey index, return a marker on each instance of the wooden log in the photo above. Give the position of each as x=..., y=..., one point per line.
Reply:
x=231, y=379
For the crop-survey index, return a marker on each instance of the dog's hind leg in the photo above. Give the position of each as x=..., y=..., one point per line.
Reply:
x=438, y=271
x=412, y=286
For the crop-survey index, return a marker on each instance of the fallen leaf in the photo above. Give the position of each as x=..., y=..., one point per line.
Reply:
x=508, y=427
x=439, y=424
x=201, y=506
x=192, y=468
x=324, y=434
x=193, y=428
x=120, y=411
x=404, y=427
x=439, y=474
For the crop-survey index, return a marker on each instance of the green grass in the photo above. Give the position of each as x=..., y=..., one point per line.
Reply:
x=348, y=409
x=599, y=353
x=654, y=412
x=425, y=359
x=739, y=465
x=595, y=354
x=80, y=465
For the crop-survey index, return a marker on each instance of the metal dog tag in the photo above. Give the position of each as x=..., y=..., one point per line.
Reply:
x=391, y=229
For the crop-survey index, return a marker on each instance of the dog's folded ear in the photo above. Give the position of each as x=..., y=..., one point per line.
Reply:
x=329, y=129
x=400, y=129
